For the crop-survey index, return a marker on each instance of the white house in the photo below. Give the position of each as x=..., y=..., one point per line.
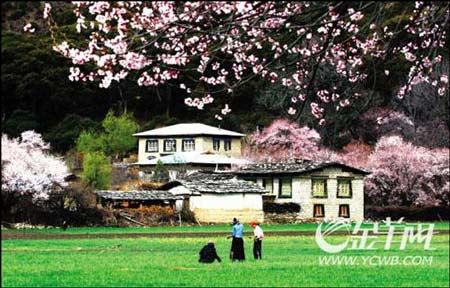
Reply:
x=217, y=198
x=324, y=190
x=189, y=146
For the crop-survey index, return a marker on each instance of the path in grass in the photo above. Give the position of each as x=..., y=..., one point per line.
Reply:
x=288, y=261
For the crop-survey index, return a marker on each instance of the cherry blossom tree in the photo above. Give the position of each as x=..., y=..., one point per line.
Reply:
x=222, y=45
x=28, y=169
x=404, y=174
x=283, y=140
x=355, y=154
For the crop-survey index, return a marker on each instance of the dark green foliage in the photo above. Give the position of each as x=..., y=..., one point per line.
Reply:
x=64, y=134
x=159, y=121
x=161, y=171
x=20, y=121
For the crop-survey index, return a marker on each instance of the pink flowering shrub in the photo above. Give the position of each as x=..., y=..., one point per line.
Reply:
x=404, y=174
x=284, y=140
x=355, y=154
x=28, y=168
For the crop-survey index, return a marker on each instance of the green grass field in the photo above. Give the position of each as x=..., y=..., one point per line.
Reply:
x=184, y=229
x=288, y=261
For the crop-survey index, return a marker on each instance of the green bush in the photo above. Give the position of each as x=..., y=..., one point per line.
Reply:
x=118, y=137
x=89, y=141
x=160, y=171
x=96, y=170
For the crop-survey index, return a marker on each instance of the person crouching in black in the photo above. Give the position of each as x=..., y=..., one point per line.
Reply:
x=208, y=254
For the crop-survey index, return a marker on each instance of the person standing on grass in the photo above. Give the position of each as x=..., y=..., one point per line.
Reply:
x=257, y=240
x=237, y=244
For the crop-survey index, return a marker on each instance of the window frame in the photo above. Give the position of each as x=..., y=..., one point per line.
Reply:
x=348, y=210
x=183, y=148
x=225, y=142
x=323, y=211
x=216, y=140
x=280, y=185
x=151, y=140
x=174, y=146
x=351, y=187
x=264, y=184
x=325, y=188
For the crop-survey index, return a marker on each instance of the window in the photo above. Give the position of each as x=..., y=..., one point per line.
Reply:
x=344, y=211
x=319, y=188
x=170, y=145
x=344, y=188
x=188, y=145
x=268, y=184
x=285, y=188
x=227, y=144
x=216, y=144
x=319, y=210
x=151, y=145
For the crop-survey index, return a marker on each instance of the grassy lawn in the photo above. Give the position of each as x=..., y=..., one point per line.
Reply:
x=182, y=229
x=288, y=261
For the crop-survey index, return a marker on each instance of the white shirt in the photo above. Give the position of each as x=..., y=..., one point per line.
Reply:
x=258, y=232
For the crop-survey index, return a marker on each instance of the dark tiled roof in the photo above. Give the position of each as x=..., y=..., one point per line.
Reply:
x=204, y=182
x=137, y=195
x=292, y=167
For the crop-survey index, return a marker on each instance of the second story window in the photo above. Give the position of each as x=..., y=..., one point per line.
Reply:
x=216, y=144
x=319, y=188
x=188, y=145
x=227, y=144
x=151, y=145
x=268, y=184
x=285, y=188
x=170, y=145
x=344, y=188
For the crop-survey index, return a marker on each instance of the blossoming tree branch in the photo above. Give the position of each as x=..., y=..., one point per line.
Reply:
x=324, y=54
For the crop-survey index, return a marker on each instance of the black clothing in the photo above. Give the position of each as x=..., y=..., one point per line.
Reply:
x=208, y=254
x=257, y=249
x=237, y=249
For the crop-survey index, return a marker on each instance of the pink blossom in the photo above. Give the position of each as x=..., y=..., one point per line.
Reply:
x=174, y=38
x=29, y=28
x=47, y=9
x=291, y=111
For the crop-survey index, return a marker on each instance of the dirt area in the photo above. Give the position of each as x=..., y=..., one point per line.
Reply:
x=18, y=235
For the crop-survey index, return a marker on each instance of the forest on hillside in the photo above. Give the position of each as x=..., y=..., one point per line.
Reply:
x=38, y=95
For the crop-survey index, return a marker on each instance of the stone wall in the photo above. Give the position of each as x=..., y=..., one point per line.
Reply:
x=302, y=194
